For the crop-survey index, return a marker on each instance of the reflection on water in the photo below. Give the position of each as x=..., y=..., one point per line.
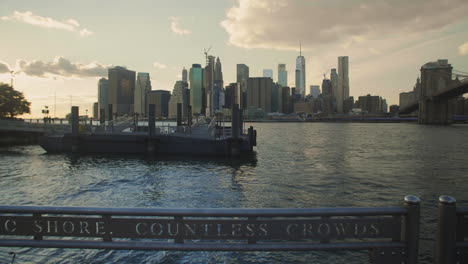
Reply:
x=295, y=165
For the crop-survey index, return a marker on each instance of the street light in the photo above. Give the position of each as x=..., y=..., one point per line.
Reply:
x=45, y=111
x=86, y=120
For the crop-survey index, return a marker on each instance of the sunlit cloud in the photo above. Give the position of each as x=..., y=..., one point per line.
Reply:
x=176, y=28
x=62, y=67
x=281, y=24
x=159, y=65
x=47, y=22
x=463, y=49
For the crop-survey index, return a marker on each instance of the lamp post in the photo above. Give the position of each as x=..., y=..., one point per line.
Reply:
x=86, y=120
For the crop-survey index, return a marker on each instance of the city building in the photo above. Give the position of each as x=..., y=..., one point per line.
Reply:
x=276, y=100
x=160, y=99
x=384, y=106
x=314, y=91
x=181, y=95
x=326, y=87
x=96, y=111
x=208, y=83
x=196, y=89
x=370, y=104
x=242, y=77
x=349, y=104
x=217, y=98
x=268, y=73
x=259, y=93
x=394, y=109
x=103, y=95
x=343, y=82
x=328, y=100
x=304, y=106
x=230, y=95
x=142, y=87
x=184, y=75
x=407, y=99
x=282, y=75
x=300, y=74
x=334, y=87
x=121, y=92
x=286, y=100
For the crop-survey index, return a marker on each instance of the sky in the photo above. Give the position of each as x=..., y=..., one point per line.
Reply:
x=59, y=49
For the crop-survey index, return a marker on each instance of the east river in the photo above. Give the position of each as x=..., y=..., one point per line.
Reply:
x=297, y=165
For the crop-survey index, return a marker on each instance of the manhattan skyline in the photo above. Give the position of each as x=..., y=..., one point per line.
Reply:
x=64, y=49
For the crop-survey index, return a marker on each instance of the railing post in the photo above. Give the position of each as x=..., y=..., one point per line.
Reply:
x=412, y=203
x=446, y=230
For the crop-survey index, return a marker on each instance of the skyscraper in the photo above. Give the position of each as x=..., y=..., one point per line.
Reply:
x=343, y=82
x=276, y=97
x=259, y=93
x=314, y=91
x=208, y=83
x=334, y=88
x=103, y=95
x=217, y=101
x=196, y=89
x=184, y=75
x=282, y=75
x=300, y=74
x=142, y=87
x=268, y=73
x=121, y=90
x=160, y=99
x=242, y=77
x=179, y=95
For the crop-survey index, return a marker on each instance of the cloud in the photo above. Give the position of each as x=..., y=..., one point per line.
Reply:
x=159, y=65
x=4, y=68
x=463, y=49
x=62, y=67
x=281, y=24
x=175, y=27
x=46, y=22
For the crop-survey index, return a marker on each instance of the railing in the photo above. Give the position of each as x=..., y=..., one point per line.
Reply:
x=452, y=231
x=390, y=233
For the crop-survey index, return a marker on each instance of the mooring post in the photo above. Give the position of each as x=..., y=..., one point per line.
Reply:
x=179, y=115
x=235, y=121
x=102, y=116
x=75, y=128
x=189, y=117
x=110, y=114
x=151, y=120
x=446, y=230
x=412, y=203
x=75, y=121
x=241, y=121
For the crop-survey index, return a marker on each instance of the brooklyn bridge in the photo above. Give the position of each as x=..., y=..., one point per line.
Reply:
x=440, y=84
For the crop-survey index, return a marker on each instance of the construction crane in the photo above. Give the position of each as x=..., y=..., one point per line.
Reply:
x=206, y=53
x=325, y=75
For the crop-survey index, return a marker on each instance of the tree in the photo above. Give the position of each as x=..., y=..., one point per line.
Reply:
x=12, y=102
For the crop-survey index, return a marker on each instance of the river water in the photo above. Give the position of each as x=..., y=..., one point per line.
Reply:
x=297, y=165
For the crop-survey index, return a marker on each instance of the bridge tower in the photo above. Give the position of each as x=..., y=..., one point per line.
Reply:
x=435, y=76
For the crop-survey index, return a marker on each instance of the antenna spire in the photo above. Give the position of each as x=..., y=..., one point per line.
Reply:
x=300, y=48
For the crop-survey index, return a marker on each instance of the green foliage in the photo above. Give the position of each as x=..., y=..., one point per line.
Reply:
x=12, y=102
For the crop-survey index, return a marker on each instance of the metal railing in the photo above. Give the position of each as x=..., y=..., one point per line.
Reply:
x=389, y=233
x=452, y=229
